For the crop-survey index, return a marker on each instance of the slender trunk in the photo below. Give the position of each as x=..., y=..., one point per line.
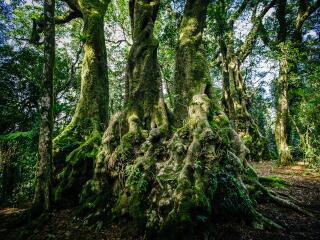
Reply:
x=282, y=121
x=227, y=98
x=191, y=74
x=42, y=197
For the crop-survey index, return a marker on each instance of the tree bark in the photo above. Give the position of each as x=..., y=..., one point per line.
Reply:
x=143, y=72
x=191, y=74
x=144, y=110
x=282, y=119
x=76, y=147
x=43, y=189
x=94, y=95
x=285, y=91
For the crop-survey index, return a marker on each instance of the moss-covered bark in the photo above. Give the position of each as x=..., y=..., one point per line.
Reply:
x=143, y=73
x=191, y=75
x=76, y=147
x=144, y=110
x=239, y=114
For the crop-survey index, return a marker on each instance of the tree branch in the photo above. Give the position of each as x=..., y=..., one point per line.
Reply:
x=38, y=24
x=70, y=15
x=249, y=42
x=237, y=13
x=305, y=10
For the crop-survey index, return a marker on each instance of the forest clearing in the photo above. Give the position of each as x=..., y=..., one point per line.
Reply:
x=159, y=119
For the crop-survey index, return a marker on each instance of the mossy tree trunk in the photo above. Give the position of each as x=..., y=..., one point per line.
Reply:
x=143, y=73
x=43, y=189
x=235, y=98
x=144, y=109
x=282, y=118
x=237, y=107
x=76, y=147
x=190, y=76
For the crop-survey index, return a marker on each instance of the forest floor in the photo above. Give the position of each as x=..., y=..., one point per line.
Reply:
x=304, y=187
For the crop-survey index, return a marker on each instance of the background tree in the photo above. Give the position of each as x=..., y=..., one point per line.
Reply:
x=288, y=41
x=235, y=97
x=21, y=75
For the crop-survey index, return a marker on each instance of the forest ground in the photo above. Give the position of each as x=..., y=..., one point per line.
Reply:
x=304, y=186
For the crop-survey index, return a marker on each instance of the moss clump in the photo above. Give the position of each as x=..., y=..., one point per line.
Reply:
x=273, y=181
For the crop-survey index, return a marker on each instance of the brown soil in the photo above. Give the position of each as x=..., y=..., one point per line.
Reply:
x=304, y=188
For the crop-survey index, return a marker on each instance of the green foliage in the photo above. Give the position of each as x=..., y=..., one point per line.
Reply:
x=18, y=157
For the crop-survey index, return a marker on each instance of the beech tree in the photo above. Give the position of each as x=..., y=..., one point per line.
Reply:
x=235, y=98
x=288, y=39
x=76, y=146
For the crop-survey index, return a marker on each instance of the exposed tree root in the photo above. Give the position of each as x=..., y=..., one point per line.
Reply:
x=74, y=151
x=278, y=200
x=169, y=186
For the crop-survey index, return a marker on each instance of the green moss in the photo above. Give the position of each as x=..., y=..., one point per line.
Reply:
x=233, y=199
x=250, y=173
x=137, y=185
x=94, y=197
x=78, y=168
x=273, y=181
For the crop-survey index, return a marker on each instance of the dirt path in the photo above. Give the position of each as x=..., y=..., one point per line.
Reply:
x=304, y=188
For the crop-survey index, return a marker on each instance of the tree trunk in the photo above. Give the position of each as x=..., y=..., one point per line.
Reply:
x=227, y=99
x=76, y=147
x=43, y=189
x=191, y=74
x=143, y=72
x=244, y=123
x=282, y=121
x=144, y=109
